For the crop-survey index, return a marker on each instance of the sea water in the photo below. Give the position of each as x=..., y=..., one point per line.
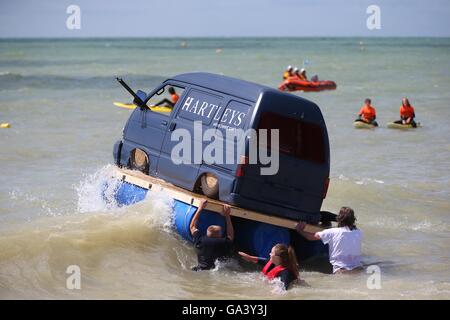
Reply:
x=57, y=95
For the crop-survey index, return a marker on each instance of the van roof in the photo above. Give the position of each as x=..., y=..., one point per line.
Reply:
x=236, y=87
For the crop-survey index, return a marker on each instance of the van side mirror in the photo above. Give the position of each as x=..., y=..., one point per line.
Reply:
x=140, y=98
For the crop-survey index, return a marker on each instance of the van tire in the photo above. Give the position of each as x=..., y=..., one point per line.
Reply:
x=210, y=186
x=139, y=161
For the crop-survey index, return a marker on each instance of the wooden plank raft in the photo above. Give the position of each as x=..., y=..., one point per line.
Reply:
x=150, y=183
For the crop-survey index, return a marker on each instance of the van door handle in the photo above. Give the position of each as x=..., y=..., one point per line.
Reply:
x=172, y=126
x=164, y=122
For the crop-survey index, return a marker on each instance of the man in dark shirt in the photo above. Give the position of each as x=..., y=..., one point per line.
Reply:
x=212, y=246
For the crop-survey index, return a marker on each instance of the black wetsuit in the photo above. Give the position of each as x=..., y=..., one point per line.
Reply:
x=373, y=122
x=413, y=123
x=210, y=249
x=286, y=276
x=166, y=101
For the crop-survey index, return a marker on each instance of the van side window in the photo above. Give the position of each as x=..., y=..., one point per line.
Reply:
x=200, y=106
x=298, y=138
x=165, y=99
x=233, y=117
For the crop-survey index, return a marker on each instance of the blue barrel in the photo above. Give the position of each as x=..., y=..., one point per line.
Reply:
x=257, y=238
x=128, y=193
x=183, y=214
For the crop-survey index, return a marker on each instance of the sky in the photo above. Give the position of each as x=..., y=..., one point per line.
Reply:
x=223, y=18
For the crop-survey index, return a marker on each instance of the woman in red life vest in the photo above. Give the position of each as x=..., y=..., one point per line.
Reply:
x=281, y=264
x=407, y=114
x=368, y=114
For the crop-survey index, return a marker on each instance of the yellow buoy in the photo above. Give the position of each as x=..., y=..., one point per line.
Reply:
x=5, y=125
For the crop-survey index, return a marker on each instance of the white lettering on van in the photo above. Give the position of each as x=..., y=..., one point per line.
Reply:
x=193, y=109
x=225, y=115
x=202, y=108
x=213, y=107
x=240, y=117
x=187, y=103
x=217, y=116
x=233, y=115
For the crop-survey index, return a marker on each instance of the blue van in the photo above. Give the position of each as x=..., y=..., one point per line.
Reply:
x=209, y=101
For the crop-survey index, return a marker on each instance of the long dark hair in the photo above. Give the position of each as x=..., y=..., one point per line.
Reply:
x=406, y=101
x=287, y=258
x=346, y=218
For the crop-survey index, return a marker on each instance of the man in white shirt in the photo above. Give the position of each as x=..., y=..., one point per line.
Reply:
x=344, y=242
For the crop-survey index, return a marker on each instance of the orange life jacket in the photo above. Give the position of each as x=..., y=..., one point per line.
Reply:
x=368, y=112
x=275, y=272
x=406, y=112
x=301, y=77
x=174, y=98
x=286, y=75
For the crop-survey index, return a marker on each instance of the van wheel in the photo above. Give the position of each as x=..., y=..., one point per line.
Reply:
x=210, y=186
x=139, y=161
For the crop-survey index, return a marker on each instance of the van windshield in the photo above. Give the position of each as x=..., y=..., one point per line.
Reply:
x=298, y=138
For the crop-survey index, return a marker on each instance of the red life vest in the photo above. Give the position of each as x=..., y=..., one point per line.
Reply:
x=174, y=98
x=275, y=272
x=406, y=111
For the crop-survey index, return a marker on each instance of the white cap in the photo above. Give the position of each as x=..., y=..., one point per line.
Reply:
x=295, y=69
x=289, y=68
x=303, y=70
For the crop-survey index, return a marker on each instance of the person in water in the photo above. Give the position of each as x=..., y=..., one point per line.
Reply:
x=368, y=114
x=288, y=73
x=173, y=98
x=213, y=245
x=282, y=264
x=407, y=114
x=344, y=242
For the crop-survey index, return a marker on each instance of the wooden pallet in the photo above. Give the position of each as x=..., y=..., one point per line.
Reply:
x=150, y=183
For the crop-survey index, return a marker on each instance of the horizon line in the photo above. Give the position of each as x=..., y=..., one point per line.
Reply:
x=210, y=37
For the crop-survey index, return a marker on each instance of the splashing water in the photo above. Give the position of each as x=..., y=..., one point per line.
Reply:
x=96, y=191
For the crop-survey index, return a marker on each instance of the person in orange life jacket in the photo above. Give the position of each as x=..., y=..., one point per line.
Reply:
x=301, y=74
x=287, y=73
x=173, y=98
x=212, y=246
x=407, y=114
x=282, y=263
x=367, y=113
x=344, y=242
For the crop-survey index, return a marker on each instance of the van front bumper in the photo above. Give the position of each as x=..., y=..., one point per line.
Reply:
x=274, y=210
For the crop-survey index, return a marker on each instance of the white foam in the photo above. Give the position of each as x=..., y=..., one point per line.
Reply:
x=360, y=181
x=96, y=191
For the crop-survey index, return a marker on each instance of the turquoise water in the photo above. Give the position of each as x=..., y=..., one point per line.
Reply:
x=58, y=94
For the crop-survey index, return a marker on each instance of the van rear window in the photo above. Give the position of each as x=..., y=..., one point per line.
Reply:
x=298, y=138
